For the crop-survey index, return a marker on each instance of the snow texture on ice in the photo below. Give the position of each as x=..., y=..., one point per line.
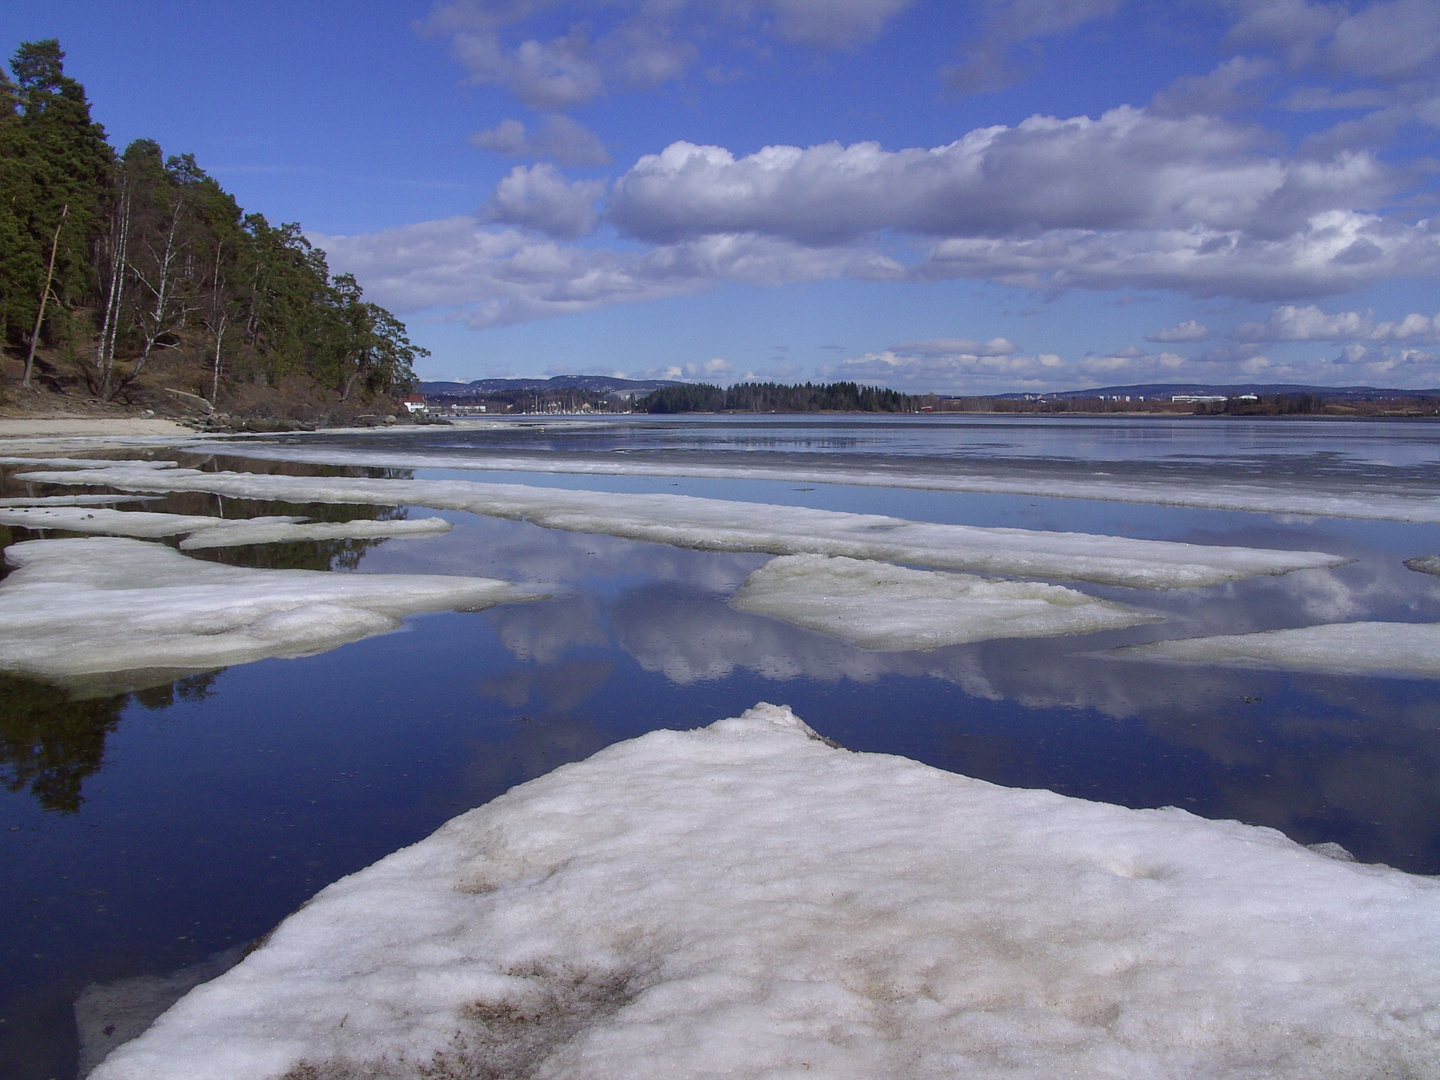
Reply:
x=104, y=604
x=1249, y=496
x=892, y=608
x=722, y=525
x=277, y=531
x=747, y=901
x=1353, y=647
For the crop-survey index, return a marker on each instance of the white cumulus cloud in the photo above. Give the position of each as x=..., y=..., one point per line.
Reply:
x=630, y=44
x=497, y=276
x=538, y=197
x=1189, y=330
x=559, y=137
x=1289, y=322
x=1126, y=170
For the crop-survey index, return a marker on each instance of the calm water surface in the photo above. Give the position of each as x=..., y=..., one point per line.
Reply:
x=146, y=828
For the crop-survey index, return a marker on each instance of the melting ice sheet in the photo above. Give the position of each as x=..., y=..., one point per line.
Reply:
x=720, y=525
x=744, y=900
x=877, y=606
x=1356, y=647
x=213, y=532
x=1359, y=501
x=105, y=604
x=276, y=530
x=89, y=463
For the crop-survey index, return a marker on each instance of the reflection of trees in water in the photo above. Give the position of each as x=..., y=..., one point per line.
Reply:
x=50, y=743
x=293, y=555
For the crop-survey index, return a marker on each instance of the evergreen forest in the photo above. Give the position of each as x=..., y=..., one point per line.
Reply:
x=776, y=397
x=125, y=273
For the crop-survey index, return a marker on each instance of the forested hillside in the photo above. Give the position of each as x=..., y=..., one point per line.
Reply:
x=122, y=274
x=776, y=397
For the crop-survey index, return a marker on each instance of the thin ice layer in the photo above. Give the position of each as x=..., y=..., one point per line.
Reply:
x=77, y=500
x=1364, y=502
x=278, y=531
x=722, y=525
x=105, y=604
x=121, y=522
x=89, y=463
x=1355, y=647
x=745, y=901
x=877, y=606
x=212, y=532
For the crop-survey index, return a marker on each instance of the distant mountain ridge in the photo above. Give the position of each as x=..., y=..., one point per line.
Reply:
x=592, y=384
x=610, y=384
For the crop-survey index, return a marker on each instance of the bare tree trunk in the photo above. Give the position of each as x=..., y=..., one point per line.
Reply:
x=219, y=320
x=219, y=338
x=120, y=257
x=163, y=290
x=44, y=298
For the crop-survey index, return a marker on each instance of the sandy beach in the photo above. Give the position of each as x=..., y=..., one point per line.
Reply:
x=61, y=427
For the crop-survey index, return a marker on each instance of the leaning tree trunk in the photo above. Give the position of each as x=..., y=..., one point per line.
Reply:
x=44, y=298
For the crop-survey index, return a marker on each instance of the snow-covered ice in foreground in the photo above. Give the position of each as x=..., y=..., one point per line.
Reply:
x=723, y=525
x=1362, y=501
x=1353, y=647
x=276, y=531
x=121, y=522
x=878, y=606
x=107, y=604
x=746, y=901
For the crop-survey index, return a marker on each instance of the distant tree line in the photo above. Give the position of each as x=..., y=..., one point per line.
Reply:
x=111, y=260
x=776, y=397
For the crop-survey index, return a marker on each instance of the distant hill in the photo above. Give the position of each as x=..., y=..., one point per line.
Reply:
x=1166, y=390
x=590, y=384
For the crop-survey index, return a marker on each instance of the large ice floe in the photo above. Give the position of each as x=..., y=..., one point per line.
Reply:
x=747, y=901
x=106, y=604
x=1358, y=501
x=722, y=525
x=878, y=606
x=1350, y=648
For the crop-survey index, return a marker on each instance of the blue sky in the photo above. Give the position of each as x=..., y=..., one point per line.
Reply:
x=961, y=198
